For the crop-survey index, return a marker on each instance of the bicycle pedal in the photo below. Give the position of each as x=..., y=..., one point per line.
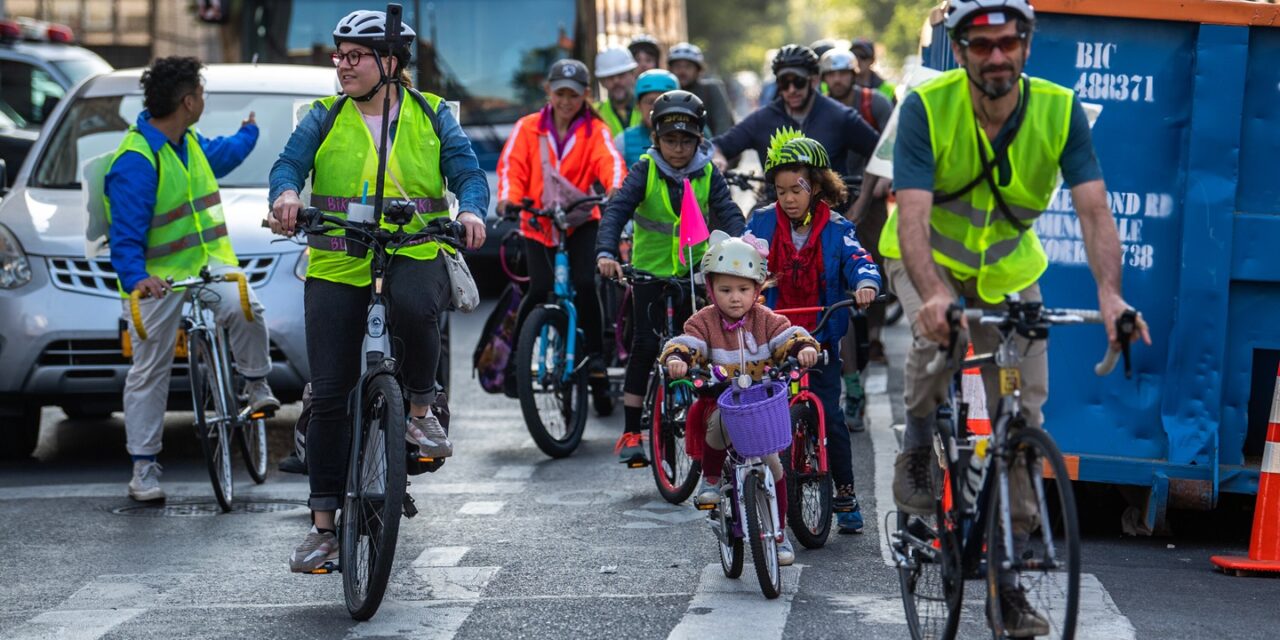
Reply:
x=842, y=509
x=706, y=507
x=426, y=460
x=410, y=508
x=326, y=568
x=637, y=464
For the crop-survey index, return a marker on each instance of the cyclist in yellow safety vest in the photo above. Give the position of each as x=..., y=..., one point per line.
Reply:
x=616, y=70
x=336, y=144
x=165, y=210
x=976, y=161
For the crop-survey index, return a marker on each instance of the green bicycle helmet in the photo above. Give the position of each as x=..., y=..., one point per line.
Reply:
x=790, y=147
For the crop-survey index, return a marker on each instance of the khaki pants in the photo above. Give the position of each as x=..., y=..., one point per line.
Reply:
x=924, y=392
x=146, y=388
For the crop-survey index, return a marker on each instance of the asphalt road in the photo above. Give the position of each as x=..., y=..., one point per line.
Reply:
x=511, y=544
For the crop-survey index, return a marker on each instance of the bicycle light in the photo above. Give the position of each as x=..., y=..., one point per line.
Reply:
x=399, y=212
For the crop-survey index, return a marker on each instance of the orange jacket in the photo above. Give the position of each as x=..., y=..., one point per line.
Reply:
x=590, y=157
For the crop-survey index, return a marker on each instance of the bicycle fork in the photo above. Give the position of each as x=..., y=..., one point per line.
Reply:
x=743, y=474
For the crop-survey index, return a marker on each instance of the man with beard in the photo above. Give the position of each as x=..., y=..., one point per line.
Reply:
x=865, y=50
x=616, y=71
x=800, y=105
x=976, y=161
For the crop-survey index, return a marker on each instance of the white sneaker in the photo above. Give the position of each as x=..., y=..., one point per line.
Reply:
x=707, y=493
x=786, y=553
x=145, y=485
x=429, y=435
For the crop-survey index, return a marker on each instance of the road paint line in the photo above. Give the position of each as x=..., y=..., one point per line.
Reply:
x=870, y=608
x=885, y=449
x=481, y=508
x=440, y=557
x=735, y=609
x=1099, y=617
x=455, y=583
x=88, y=624
x=418, y=620
x=514, y=472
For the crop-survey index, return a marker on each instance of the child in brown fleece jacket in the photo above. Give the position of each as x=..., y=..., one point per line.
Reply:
x=742, y=336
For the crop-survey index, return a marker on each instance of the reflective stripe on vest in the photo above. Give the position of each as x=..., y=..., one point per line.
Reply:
x=657, y=244
x=347, y=159
x=188, y=230
x=969, y=235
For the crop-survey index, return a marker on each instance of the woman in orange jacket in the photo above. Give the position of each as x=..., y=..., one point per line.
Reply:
x=557, y=155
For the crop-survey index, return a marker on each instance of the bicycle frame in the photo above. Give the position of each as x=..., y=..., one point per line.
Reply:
x=743, y=470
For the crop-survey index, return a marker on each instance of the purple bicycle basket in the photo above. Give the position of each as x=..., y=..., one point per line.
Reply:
x=757, y=419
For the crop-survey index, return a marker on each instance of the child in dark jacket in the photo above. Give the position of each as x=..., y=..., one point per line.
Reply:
x=816, y=259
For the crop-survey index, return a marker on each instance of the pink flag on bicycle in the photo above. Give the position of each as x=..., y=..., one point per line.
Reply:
x=693, y=228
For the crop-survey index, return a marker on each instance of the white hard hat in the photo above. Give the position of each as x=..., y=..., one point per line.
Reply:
x=838, y=60
x=613, y=61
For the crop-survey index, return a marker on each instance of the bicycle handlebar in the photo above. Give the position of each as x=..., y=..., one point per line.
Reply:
x=742, y=180
x=553, y=213
x=204, y=278
x=827, y=311
x=315, y=222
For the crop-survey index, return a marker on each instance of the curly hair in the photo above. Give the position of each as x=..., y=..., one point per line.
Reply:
x=167, y=82
x=826, y=183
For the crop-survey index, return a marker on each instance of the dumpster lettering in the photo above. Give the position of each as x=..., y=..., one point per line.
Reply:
x=1063, y=240
x=1122, y=203
x=1100, y=85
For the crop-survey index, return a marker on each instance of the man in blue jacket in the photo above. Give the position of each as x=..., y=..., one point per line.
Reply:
x=167, y=222
x=800, y=105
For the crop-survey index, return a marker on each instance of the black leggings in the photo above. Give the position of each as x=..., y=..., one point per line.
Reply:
x=649, y=315
x=335, y=319
x=581, y=247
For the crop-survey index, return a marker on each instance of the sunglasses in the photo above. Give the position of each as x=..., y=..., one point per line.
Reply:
x=352, y=57
x=792, y=82
x=984, y=46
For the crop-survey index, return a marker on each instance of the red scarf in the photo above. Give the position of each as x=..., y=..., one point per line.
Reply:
x=799, y=273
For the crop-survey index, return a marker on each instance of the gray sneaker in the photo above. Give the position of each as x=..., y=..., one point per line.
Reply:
x=707, y=493
x=429, y=435
x=1021, y=620
x=260, y=396
x=316, y=549
x=913, y=481
x=145, y=485
x=786, y=552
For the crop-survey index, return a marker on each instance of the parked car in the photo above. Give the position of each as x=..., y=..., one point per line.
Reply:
x=60, y=313
x=38, y=66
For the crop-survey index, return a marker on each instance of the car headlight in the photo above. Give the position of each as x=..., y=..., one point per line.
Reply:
x=15, y=269
x=300, y=269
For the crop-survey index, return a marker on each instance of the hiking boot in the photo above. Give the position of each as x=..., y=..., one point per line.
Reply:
x=260, y=396
x=708, y=492
x=598, y=380
x=292, y=464
x=786, y=552
x=913, y=481
x=630, y=450
x=145, y=485
x=848, y=511
x=429, y=435
x=316, y=549
x=1021, y=620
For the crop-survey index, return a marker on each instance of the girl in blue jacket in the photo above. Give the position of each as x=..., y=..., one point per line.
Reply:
x=815, y=258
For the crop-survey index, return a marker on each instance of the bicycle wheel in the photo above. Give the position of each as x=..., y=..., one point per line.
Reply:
x=674, y=470
x=374, y=499
x=930, y=579
x=808, y=488
x=212, y=417
x=1047, y=558
x=555, y=411
x=764, y=545
x=253, y=448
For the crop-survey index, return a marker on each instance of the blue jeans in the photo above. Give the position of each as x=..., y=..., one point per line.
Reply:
x=824, y=382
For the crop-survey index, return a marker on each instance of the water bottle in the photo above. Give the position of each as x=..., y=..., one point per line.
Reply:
x=977, y=469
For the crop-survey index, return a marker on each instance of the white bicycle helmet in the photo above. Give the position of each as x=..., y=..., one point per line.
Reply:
x=961, y=12
x=369, y=28
x=687, y=51
x=614, y=61
x=837, y=60
x=734, y=257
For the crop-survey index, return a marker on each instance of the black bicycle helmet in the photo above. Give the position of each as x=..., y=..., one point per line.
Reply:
x=678, y=111
x=822, y=46
x=794, y=56
x=646, y=43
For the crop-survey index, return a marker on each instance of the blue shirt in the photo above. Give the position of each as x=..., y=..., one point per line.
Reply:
x=839, y=129
x=131, y=186
x=462, y=173
x=913, y=166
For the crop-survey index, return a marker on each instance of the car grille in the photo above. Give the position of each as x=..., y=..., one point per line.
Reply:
x=97, y=277
x=106, y=352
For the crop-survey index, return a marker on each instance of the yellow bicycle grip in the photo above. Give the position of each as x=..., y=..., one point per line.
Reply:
x=137, y=314
x=244, y=293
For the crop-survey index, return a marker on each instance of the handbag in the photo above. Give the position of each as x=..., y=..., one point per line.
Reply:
x=462, y=287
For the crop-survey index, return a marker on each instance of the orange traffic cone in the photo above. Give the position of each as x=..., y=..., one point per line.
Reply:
x=975, y=396
x=1264, y=547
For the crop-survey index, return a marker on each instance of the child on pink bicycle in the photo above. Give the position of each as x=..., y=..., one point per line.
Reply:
x=738, y=336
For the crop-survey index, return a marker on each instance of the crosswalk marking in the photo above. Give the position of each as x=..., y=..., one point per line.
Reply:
x=103, y=604
x=441, y=557
x=74, y=624
x=514, y=472
x=452, y=593
x=481, y=508
x=735, y=609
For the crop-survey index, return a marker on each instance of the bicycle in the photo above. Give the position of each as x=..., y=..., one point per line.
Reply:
x=213, y=378
x=547, y=363
x=675, y=472
x=757, y=419
x=809, y=487
x=970, y=535
x=377, y=469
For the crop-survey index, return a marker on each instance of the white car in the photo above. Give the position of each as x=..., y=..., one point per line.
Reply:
x=61, y=314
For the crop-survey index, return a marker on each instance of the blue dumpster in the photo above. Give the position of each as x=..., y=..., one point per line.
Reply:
x=1188, y=139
